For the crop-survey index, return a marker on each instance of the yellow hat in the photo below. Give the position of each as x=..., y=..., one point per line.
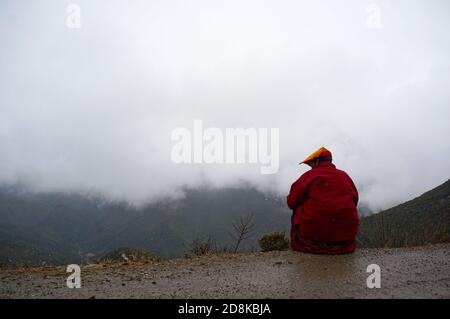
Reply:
x=321, y=152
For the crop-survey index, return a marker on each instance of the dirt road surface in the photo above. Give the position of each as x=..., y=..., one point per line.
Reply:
x=422, y=272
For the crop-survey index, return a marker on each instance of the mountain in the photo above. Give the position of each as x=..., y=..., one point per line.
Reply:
x=63, y=228
x=423, y=220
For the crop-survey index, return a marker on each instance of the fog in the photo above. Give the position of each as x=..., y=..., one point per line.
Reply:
x=92, y=109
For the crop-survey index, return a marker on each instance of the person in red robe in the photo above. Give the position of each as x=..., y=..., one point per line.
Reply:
x=324, y=203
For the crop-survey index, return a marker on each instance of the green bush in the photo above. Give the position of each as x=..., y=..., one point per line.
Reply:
x=274, y=241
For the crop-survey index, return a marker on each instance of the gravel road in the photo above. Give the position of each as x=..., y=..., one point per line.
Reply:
x=422, y=272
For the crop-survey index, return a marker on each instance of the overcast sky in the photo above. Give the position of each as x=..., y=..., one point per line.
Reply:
x=93, y=108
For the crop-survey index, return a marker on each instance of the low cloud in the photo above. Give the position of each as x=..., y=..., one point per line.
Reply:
x=93, y=109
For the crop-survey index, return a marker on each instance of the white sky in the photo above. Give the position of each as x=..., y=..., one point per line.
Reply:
x=93, y=108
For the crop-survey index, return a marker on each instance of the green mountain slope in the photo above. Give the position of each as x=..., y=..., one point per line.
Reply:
x=423, y=220
x=59, y=228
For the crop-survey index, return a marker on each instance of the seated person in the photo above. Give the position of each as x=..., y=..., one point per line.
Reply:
x=323, y=200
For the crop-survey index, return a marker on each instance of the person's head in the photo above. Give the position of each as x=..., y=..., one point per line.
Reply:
x=313, y=163
x=321, y=155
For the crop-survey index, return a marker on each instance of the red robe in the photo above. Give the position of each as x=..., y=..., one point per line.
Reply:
x=324, y=218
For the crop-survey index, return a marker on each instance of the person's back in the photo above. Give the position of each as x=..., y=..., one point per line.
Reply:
x=323, y=200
